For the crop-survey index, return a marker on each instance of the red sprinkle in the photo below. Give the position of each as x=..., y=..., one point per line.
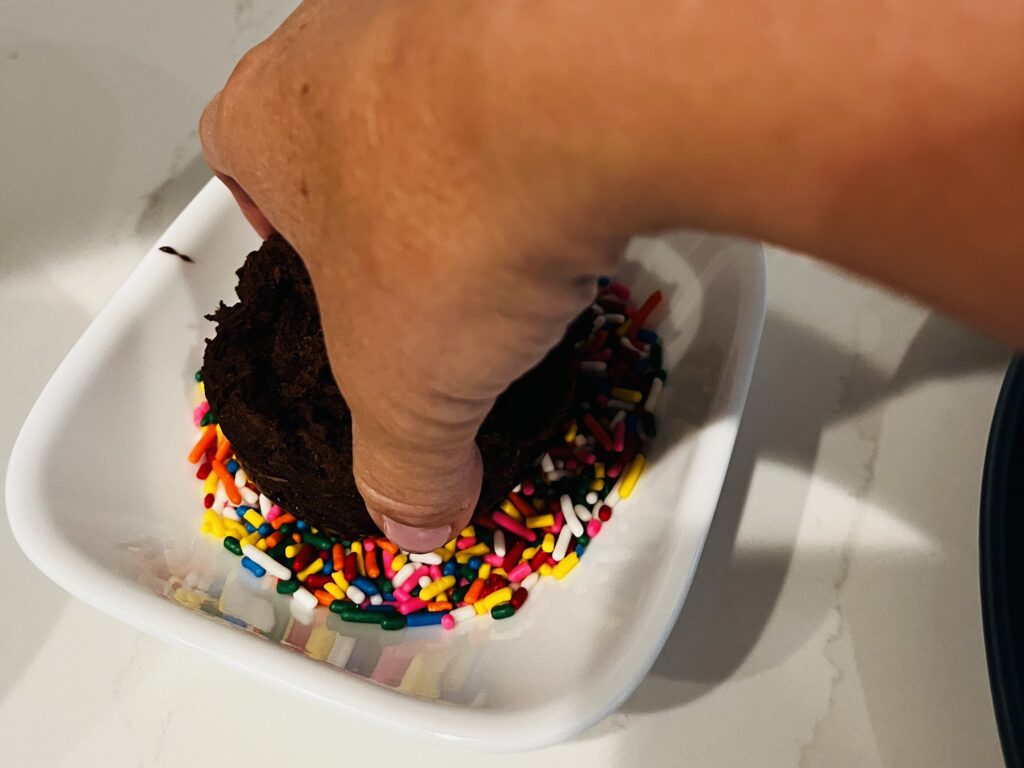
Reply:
x=597, y=431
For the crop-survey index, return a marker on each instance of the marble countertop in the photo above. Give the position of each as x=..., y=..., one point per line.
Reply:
x=835, y=616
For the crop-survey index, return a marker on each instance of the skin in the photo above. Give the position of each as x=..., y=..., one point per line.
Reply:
x=456, y=173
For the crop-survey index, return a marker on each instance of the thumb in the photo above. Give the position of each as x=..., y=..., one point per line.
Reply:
x=420, y=485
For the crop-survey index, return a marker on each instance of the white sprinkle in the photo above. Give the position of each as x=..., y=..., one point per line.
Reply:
x=597, y=308
x=546, y=464
x=570, y=516
x=499, y=542
x=354, y=593
x=620, y=404
x=561, y=545
x=615, y=318
x=427, y=558
x=403, y=574
x=619, y=416
x=249, y=496
x=591, y=497
x=580, y=440
x=269, y=564
x=265, y=505
x=530, y=580
x=594, y=366
x=613, y=496
x=555, y=476
x=652, y=397
x=559, y=464
x=599, y=321
x=376, y=600
x=241, y=478
x=305, y=598
x=220, y=498
x=629, y=345
x=518, y=488
x=583, y=513
x=463, y=613
x=425, y=581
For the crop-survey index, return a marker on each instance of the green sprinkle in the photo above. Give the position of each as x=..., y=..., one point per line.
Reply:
x=364, y=617
x=232, y=545
x=199, y=375
x=288, y=587
x=393, y=622
x=502, y=611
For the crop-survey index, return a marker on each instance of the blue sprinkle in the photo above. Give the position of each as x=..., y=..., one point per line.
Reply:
x=603, y=280
x=424, y=618
x=449, y=568
x=367, y=586
x=266, y=529
x=474, y=563
x=380, y=609
x=232, y=466
x=328, y=568
x=251, y=565
x=647, y=336
x=249, y=527
x=301, y=525
x=580, y=549
x=240, y=511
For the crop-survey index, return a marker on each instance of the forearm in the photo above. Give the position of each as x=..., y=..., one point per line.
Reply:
x=885, y=136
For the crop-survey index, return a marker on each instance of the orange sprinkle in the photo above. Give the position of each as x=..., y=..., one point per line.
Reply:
x=386, y=545
x=474, y=591
x=223, y=447
x=372, y=569
x=297, y=538
x=227, y=481
x=273, y=540
x=280, y=520
x=205, y=441
x=520, y=503
x=323, y=597
x=435, y=607
x=337, y=557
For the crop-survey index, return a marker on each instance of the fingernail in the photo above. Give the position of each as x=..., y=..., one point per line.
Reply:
x=415, y=539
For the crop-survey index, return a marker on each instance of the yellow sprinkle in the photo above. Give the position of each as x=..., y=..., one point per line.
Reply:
x=292, y=550
x=544, y=570
x=499, y=571
x=548, y=545
x=209, y=515
x=469, y=532
x=211, y=483
x=484, y=572
x=540, y=521
x=510, y=509
x=623, y=329
x=599, y=470
x=539, y=505
x=357, y=548
x=529, y=552
x=340, y=581
x=253, y=518
x=631, y=476
x=468, y=553
x=399, y=560
x=205, y=527
x=252, y=538
x=262, y=545
x=570, y=435
x=597, y=485
x=567, y=563
x=334, y=590
x=434, y=588
x=446, y=553
x=629, y=395
x=478, y=606
x=316, y=565
x=442, y=597
x=201, y=386
x=502, y=595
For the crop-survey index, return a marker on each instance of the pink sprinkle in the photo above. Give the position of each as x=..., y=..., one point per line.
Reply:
x=274, y=512
x=514, y=526
x=465, y=542
x=388, y=558
x=435, y=572
x=520, y=572
x=410, y=606
x=527, y=488
x=587, y=457
x=615, y=470
x=401, y=594
x=418, y=574
x=620, y=436
x=593, y=528
x=619, y=289
x=556, y=527
x=447, y=621
x=495, y=560
x=365, y=604
x=201, y=410
x=369, y=545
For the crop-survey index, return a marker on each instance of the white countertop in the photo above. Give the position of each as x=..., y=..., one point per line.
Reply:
x=835, y=616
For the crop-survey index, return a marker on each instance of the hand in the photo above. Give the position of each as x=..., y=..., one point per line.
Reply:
x=441, y=270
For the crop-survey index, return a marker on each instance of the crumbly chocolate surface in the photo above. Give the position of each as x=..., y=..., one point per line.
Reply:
x=269, y=383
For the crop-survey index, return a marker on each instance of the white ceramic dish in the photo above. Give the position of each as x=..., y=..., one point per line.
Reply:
x=101, y=499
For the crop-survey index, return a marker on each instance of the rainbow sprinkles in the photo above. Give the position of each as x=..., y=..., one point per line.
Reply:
x=542, y=528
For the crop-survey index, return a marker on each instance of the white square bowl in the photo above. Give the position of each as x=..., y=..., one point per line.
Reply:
x=100, y=497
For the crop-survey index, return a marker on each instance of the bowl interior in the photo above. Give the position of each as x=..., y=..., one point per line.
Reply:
x=101, y=497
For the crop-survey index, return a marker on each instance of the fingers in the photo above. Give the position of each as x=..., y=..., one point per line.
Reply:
x=419, y=496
